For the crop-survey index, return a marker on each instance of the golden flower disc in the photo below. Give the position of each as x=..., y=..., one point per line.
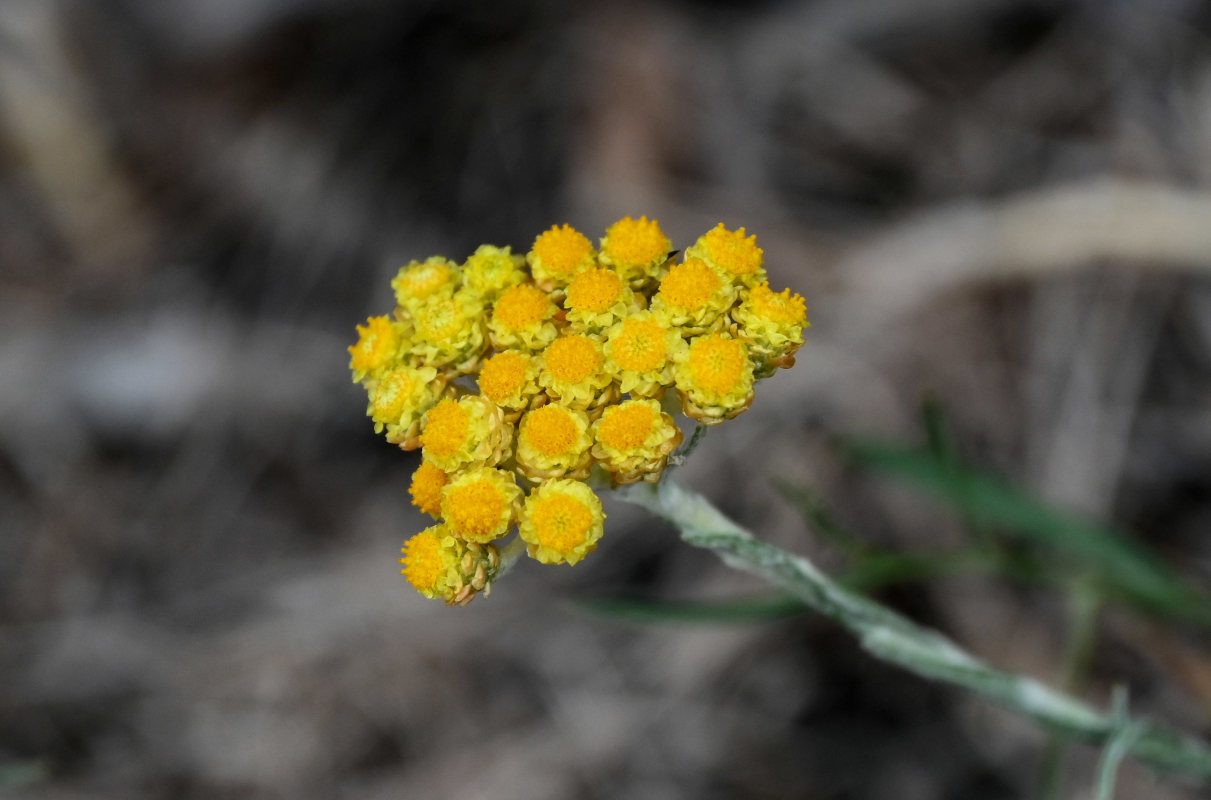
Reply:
x=626, y=427
x=571, y=359
x=782, y=307
x=594, y=290
x=732, y=252
x=551, y=430
x=478, y=506
x=424, y=566
x=639, y=346
x=561, y=250
x=426, y=489
x=391, y=395
x=716, y=363
x=689, y=285
x=521, y=307
x=377, y=343
x=561, y=522
x=445, y=428
x=633, y=242
x=502, y=375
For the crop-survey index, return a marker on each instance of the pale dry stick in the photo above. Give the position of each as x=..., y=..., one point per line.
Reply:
x=1150, y=224
x=890, y=637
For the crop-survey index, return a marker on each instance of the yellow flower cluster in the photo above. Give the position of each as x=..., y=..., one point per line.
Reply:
x=529, y=379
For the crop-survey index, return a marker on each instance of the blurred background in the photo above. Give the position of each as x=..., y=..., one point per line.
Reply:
x=995, y=208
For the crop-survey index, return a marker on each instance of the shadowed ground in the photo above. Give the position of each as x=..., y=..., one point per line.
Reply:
x=1001, y=205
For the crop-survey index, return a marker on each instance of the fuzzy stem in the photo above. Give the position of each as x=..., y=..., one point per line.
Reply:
x=509, y=555
x=892, y=638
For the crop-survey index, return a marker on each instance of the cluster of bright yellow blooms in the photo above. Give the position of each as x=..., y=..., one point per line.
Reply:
x=572, y=350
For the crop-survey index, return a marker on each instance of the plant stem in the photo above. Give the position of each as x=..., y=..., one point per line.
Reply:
x=1084, y=606
x=891, y=637
x=509, y=555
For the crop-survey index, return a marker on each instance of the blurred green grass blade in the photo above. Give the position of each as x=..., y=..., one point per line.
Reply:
x=815, y=512
x=937, y=429
x=21, y=773
x=760, y=608
x=1122, y=564
x=877, y=570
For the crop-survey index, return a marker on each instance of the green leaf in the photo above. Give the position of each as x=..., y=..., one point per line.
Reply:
x=1123, y=565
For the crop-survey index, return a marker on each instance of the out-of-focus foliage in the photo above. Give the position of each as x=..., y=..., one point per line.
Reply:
x=1002, y=204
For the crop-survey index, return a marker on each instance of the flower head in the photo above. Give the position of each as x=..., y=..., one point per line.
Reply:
x=465, y=433
x=561, y=522
x=633, y=440
x=639, y=354
x=450, y=332
x=574, y=351
x=637, y=248
x=481, y=505
x=399, y=400
x=523, y=318
x=573, y=371
x=558, y=255
x=772, y=323
x=426, y=489
x=732, y=253
x=510, y=379
x=419, y=281
x=441, y=566
x=693, y=296
x=596, y=299
x=553, y=441
x=490, y=270
x=715, y=378
x=379, y=344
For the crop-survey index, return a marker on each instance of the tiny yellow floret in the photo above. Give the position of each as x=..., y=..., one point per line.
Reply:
x=439, y=565
x=553, y=441
x=571, y=359
x=640, y=351
x=424, y=562
x=466, y=433
x=594, y=290
x=392, y=396
x=522, y=307
x=426, y=489
x=551, y=430
x=399, y=399
x=378, y=342
x=689, y=285
x=717, y=364
x=626, y=426
x=772, y=324
x=562, y=522
x=634, y=243
x=715, y=378
x=639, y=344
x=572, y=372
x=633, y=440
x=782, y=307
x=445, y=430
x=481, y=505
x=731, y=252
x=522, y=318
x=559, y=253
x=490, y=270
x=419, y=281
x=450, y=332
x=503, y=375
